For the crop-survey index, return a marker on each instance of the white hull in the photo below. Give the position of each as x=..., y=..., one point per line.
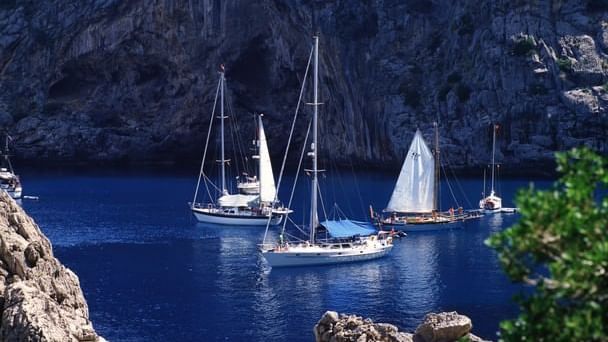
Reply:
x=500, y=211
x=203, y=215
x=15, y=194
x=306, y=255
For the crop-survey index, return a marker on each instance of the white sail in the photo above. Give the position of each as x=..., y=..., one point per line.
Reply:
x=267, y=187
x=414, y=190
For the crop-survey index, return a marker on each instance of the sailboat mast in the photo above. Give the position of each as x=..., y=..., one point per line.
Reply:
x=436, y=204
x=259, y=142
x=314, y=219
x=223, y=158
x=493, y=150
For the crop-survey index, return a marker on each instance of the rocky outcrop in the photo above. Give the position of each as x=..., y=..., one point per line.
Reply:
x=135, y=80
x=441, y=327
x=40, y=299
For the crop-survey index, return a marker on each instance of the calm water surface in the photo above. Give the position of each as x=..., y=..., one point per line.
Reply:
x=151, y=273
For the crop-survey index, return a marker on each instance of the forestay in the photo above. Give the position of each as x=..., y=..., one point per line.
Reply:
x=414, y=190
x=267, y=187
x=347, y=228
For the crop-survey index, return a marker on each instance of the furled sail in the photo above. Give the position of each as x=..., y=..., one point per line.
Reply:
x=237, y=200
x=414, y=190
x=267, y=187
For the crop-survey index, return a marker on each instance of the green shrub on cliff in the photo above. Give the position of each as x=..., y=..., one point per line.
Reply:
x=524, y=46
x=560, y=248
x=564, y=64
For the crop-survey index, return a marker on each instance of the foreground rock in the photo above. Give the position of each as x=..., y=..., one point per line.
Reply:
x=40, y=299
x=442, y=327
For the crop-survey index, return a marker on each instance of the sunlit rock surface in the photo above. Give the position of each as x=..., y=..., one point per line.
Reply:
x=40, y=299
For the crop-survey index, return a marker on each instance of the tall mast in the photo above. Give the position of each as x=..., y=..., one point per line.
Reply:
x=223, y=158
x=436, y=204
x=493, y=149
x=314, y=219
x=259, y=157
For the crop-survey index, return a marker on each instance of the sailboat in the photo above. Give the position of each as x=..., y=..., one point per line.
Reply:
x=493, y=203
x=356, y=241
x=9, y=181
x=414, y=203
x=239, y=209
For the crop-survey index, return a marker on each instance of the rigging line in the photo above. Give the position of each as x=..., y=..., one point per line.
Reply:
x=297, y=227
x=466, y=198
x=343, y=187
x=322, y=202
x=357, y=188
x=234, y=150
x=198, y=182
x=293, y=124
x=215, y=187
x=295, y=182
x=236, y=130
x=449, y=186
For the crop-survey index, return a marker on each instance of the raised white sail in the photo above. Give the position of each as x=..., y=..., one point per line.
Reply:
x=414, y=191
x=267, y=187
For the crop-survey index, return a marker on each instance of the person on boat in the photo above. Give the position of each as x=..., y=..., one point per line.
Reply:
x=451, y=211
x=460, y=211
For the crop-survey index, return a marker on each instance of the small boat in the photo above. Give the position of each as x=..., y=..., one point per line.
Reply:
x=250, y=186
x=243, y=209
x=414, y=204
x=9, y=181
x=352, y=241
x=493, y=203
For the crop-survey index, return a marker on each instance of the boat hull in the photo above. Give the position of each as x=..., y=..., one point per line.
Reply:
x=203, y=215
x=421, y=227
x=316, y=258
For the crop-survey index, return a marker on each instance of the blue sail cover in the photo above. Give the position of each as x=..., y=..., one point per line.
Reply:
x=347, y=228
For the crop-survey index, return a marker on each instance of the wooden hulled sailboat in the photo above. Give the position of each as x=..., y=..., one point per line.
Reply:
x=414, y=203
x=313, y=252
x=239, y=209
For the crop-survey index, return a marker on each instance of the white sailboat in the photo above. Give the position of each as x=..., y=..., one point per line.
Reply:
x=313, y=252
x=9, y=181
x=239, y=209
x=493, y=203
x=414, y=204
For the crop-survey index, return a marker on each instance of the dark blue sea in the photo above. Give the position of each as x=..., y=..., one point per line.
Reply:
x=151, y=273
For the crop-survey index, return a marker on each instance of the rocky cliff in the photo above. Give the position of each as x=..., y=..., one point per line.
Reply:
x=135, y=80
x=40, y=299
x=436, y=327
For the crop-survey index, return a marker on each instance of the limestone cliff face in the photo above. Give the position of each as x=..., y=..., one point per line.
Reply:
x=40, y=299
x=112, y=80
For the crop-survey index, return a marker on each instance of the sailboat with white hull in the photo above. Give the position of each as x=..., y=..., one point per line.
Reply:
x=9, y=181
x=414, y=204
x=493, y=203
x=352, y=247
x=239, y=209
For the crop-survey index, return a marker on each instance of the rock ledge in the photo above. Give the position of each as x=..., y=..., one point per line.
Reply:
x=441, y=327
x=40, y=299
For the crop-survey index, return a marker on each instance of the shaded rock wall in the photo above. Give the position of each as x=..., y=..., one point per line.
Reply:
x=40, y=299
x=135, y=80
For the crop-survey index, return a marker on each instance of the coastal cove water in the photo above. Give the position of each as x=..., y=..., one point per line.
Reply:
x=151, y=273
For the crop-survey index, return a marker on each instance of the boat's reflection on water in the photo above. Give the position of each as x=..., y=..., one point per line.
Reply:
x=426, y=272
